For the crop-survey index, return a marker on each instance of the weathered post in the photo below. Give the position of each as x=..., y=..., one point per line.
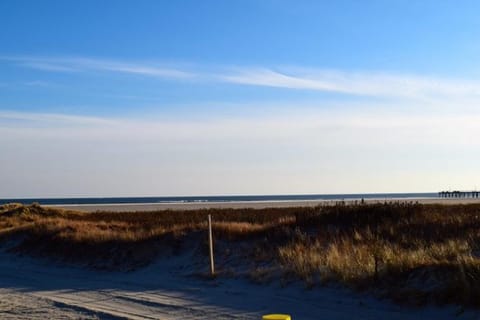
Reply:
x=210, y=241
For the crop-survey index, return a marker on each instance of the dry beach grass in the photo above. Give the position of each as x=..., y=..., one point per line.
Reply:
x=409, y=252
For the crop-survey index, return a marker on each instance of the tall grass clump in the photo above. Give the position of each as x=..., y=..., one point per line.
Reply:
x=412, y=253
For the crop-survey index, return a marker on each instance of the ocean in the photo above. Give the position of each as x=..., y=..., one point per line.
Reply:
x=236, y=198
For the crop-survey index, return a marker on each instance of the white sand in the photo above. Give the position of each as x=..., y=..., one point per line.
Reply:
x=40, y=290
x=23, y=305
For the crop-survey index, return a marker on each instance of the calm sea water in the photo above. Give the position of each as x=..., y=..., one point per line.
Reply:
x=300, y=197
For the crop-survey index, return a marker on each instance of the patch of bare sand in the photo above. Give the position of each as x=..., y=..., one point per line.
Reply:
x=15, y=304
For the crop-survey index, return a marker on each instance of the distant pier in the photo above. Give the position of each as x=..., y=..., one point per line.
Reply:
x=459, y=194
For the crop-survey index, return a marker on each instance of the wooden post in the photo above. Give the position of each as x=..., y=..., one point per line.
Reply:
x=210, y=241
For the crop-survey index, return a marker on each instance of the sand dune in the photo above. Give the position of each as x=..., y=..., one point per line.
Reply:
x=39, y=290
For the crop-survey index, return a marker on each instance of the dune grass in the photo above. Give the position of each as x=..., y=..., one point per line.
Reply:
x=409, y=252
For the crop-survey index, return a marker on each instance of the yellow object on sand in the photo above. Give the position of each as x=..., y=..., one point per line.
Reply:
x=276, y=317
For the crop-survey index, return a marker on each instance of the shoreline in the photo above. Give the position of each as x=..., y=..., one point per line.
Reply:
x=128, y=207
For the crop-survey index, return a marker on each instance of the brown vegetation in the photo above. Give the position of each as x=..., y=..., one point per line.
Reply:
x=409, y=252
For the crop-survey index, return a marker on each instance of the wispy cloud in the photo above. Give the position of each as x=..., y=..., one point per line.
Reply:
x=63, y=64
x=359, y=127
x=362, y=83
x=357, y=83
x=54, y=118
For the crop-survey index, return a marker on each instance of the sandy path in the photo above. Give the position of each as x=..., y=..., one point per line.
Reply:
x=39, y=290
x=21, y=305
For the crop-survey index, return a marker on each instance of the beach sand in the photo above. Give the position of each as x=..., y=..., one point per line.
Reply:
x=248, y=204
x=38, y=289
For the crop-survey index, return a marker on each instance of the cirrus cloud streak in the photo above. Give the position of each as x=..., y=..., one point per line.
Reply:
x=362, y=83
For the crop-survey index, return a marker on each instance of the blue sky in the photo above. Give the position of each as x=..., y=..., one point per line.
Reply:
x=121, y=98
